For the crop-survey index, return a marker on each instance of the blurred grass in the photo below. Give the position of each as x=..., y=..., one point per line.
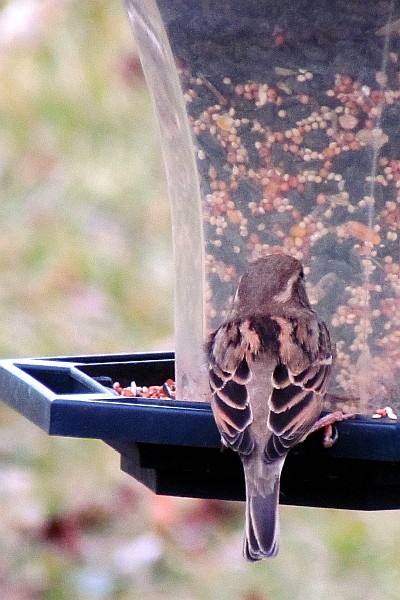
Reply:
x=85, y=219
x=86, y=267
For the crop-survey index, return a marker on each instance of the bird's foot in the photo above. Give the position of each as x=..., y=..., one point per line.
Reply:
x=327, y=422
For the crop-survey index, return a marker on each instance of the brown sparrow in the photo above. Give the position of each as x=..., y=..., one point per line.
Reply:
x=269, y=367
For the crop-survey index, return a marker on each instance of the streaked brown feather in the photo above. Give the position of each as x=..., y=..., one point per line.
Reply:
x=295, y=406
x=234, y=394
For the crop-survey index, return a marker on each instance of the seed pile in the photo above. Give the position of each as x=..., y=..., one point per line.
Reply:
x=162, y=392
x=295, y=112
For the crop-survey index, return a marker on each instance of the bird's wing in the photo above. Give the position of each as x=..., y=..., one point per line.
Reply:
x=230, y=350
x=298, y=380
x=298, y=385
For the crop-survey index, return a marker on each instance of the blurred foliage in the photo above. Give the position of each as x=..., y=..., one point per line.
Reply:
x=86, y=267
x=84, y=217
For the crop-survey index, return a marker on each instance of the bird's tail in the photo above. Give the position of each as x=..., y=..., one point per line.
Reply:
x=262, y=520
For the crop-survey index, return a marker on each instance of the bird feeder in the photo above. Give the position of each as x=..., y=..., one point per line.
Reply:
x=280, y=126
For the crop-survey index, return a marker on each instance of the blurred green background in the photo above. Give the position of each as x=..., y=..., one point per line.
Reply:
x=86, y=267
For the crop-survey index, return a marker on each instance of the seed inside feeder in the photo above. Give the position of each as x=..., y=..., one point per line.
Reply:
x=295, y=114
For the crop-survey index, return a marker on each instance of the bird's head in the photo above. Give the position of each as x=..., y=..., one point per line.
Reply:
x=271, y=283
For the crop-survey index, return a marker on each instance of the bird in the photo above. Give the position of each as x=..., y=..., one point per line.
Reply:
x=269, y=367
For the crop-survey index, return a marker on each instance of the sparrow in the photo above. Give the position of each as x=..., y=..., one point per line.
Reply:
x=269, y=365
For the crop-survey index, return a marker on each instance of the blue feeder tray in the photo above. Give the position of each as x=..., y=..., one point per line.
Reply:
x=174, y=448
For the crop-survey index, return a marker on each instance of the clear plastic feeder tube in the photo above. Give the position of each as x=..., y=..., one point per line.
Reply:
x=184, y=191
x=280, y=126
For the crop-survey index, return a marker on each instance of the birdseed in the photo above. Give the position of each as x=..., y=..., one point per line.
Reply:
x=295, y=114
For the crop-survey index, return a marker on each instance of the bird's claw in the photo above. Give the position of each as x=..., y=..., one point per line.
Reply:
x=327, y=422
x=330, y=436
